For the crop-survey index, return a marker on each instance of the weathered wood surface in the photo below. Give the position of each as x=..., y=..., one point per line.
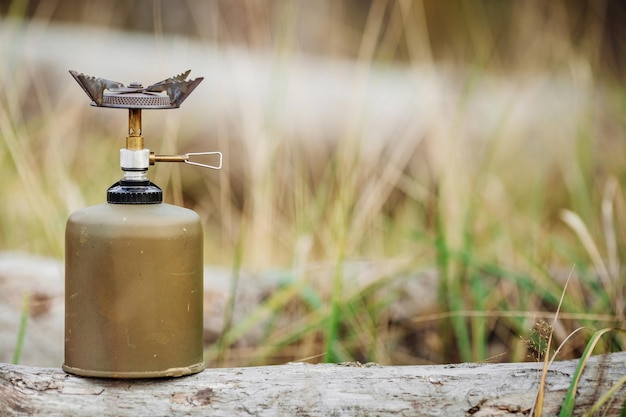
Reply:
x=313, y=390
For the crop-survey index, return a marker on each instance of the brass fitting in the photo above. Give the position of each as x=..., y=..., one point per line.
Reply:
x=134, y=140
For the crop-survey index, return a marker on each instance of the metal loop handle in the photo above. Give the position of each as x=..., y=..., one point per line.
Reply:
x=187, y=161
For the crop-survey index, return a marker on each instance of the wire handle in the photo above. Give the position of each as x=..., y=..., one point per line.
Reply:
x=186, y=159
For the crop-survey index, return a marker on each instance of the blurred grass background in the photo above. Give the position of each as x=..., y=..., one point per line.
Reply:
x=482, y=142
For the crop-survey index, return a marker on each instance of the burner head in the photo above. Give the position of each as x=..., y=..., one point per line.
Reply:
x=166, y=94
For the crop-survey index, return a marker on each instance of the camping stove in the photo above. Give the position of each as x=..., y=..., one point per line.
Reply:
x=134, y=265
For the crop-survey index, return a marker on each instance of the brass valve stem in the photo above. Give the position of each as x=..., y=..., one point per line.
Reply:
x=167, y=158
x=134, y=140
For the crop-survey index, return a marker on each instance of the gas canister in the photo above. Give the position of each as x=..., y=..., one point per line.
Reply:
x=134, y=265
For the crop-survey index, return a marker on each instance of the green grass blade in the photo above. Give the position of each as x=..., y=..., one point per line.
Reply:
x=22, y=329
x=334, y=319
x=479, y=323
x=570, y=398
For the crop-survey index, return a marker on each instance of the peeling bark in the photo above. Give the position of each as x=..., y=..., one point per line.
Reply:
x=314, y=390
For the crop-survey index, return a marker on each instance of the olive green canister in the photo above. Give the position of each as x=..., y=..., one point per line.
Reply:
x=134, y=287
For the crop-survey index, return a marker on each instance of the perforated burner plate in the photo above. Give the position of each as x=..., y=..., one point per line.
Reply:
x=135, y=101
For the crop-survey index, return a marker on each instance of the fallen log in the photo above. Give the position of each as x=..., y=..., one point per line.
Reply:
x=315, y=390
